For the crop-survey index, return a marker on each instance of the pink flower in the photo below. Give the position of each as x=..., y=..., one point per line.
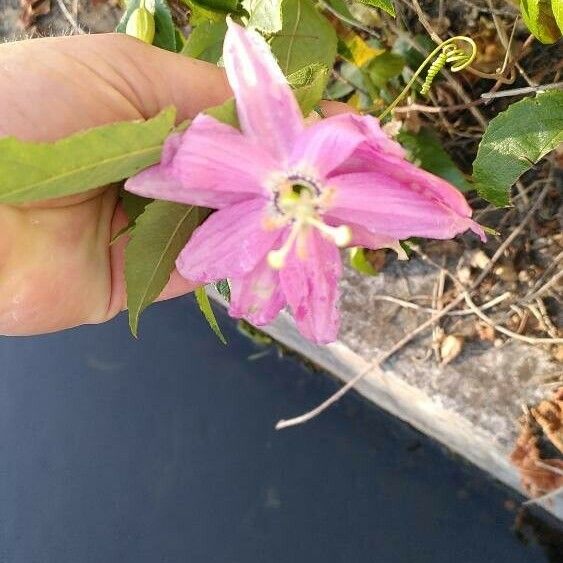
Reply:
x=288, y=196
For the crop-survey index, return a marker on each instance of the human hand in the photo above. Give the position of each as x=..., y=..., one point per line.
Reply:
x=57, y=269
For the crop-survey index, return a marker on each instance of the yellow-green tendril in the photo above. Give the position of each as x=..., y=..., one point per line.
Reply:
x=449, y=52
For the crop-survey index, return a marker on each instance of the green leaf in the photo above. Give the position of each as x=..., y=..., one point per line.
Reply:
x=205, y=42
x=425, y=150
x=386, y=5
x=514, y=141
x=341, y=10
x=200, y=15
x=226, y=113
x=89, y=159
x=308, y=85
x=264, y=15
x=160, y=233
x=224, y=6
x=384, y=67
x=133, y=204
x=205, y=307
x=306, y=37
x=539, y=17
x=360, y=263
x=165, y=30
x=557, y=7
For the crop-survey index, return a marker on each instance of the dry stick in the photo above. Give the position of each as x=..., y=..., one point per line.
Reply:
x=437, y=109
x=520, y=91
x=459, y=313
x=506, y=331
x=69, y=17
x=375, y=364
x=546, y=286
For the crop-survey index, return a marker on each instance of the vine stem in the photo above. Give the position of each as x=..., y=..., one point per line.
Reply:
x=426, y=61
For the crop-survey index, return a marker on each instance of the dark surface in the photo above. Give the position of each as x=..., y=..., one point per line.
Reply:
x=163, y=450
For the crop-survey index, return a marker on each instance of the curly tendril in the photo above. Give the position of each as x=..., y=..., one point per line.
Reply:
x=449, y=52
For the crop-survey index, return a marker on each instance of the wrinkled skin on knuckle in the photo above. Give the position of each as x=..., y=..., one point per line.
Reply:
x=54, y=266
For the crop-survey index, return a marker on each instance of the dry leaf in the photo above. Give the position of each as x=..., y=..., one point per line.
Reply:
x=485, y=331
x=549, y=415
x=537, y=480
x=31, y=10
x=451, y=347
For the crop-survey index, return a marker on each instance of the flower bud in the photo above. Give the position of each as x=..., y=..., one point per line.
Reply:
x=141, y=25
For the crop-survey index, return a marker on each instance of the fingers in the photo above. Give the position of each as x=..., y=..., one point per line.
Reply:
x=73, y=83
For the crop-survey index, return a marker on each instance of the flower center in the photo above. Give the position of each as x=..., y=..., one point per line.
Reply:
x=300, y=200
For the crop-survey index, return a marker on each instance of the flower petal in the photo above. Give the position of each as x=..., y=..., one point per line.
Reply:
x=257, y=296
x=310, y=286
x=266, y=107
x=326, y=144
x=366, y=239
x=228, y=245
x=400, y=200
x=211, y=165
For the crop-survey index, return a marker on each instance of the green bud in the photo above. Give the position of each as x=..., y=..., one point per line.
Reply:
x=141, y=25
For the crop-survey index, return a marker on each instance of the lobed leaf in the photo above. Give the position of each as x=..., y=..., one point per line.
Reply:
x=514, y=141
x=88, y=159
x=160, y=233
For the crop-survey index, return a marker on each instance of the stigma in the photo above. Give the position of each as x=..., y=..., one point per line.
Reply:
x=299, y=203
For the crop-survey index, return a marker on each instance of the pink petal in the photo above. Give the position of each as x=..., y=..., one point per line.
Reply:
x=326, y=144
x=257, y=296
x=310, y=286
x=228, y=245
x=366, y=239
x=401, y=201
x=266, y=107
x=211, y=165
x=157, y=181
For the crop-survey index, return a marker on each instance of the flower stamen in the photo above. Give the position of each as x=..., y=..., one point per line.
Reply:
x=341, y=236
x=276, y=258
